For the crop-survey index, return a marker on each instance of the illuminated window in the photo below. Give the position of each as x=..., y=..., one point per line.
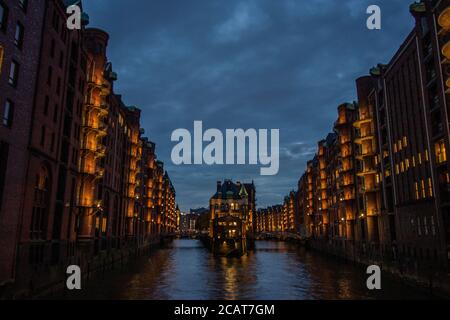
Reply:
x=440, y=151
x=420, y=158
x=399, y=145
x=397, y=170
x=427, y=157
x=407, y=164
x=405, y=142
x=417, y=190
x=414, y=161
x=424, y=195
x=430, y=187
x=402, y=166
x=395, y=148
x=104, y=224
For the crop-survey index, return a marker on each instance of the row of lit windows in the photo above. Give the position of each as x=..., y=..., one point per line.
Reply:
x=230, y=224
x=440, y=152
x=408, y=163
x=422, y=190
x=400, y=144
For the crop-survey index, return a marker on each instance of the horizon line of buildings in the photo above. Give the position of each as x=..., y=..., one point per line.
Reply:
x=378, y=188
x=79, y=182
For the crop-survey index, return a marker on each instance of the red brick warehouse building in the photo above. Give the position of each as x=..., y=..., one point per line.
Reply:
x=79, y=183
x=378, y=189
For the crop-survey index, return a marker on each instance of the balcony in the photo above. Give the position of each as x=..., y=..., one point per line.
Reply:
x=348, y=197
x=102, y=129
x=94, y=83
x=98, y=128
x=444, y=19
x=102, y=108
x=346, y=169
x=88, y=169
x=101, y=151
x=362, y=155
x=366, y=172
x=105, y=90
x=86, y=203
x=446, y=50
x=89, y=127
x=360, y=138
x=88, y=147
x=99, y=173
x=368, y=189
x=363, y=120
x=372, y=212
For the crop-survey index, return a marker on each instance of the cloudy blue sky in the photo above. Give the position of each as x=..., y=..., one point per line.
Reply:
x=283, y=64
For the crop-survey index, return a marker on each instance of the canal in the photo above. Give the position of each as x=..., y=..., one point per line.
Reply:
x=185, y=270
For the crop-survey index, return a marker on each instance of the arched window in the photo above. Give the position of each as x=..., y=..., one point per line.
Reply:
x=40, y=205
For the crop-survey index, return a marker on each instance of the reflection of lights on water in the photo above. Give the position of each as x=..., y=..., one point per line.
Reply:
x=230, y=280
x=276, y=270
x=345, y=291
x=234, y=272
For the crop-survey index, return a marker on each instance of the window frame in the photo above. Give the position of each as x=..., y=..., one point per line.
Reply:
x=23, y=4
x=8, y=113
x=13, y=81
x=21, y=29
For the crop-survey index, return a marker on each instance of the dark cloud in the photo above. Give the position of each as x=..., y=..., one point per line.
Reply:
x=283, y=64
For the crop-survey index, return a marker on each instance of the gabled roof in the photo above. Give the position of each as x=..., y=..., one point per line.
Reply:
x=231, y=190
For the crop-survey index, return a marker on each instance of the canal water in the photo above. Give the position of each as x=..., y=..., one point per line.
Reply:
x=185, y=270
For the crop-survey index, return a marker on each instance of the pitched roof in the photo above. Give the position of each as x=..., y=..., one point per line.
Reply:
x=231, y=190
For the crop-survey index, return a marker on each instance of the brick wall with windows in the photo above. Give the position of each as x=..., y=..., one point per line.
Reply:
x=20, y=33
x=53, y=144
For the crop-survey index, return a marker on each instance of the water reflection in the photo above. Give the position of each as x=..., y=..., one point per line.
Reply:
x=275, y=270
